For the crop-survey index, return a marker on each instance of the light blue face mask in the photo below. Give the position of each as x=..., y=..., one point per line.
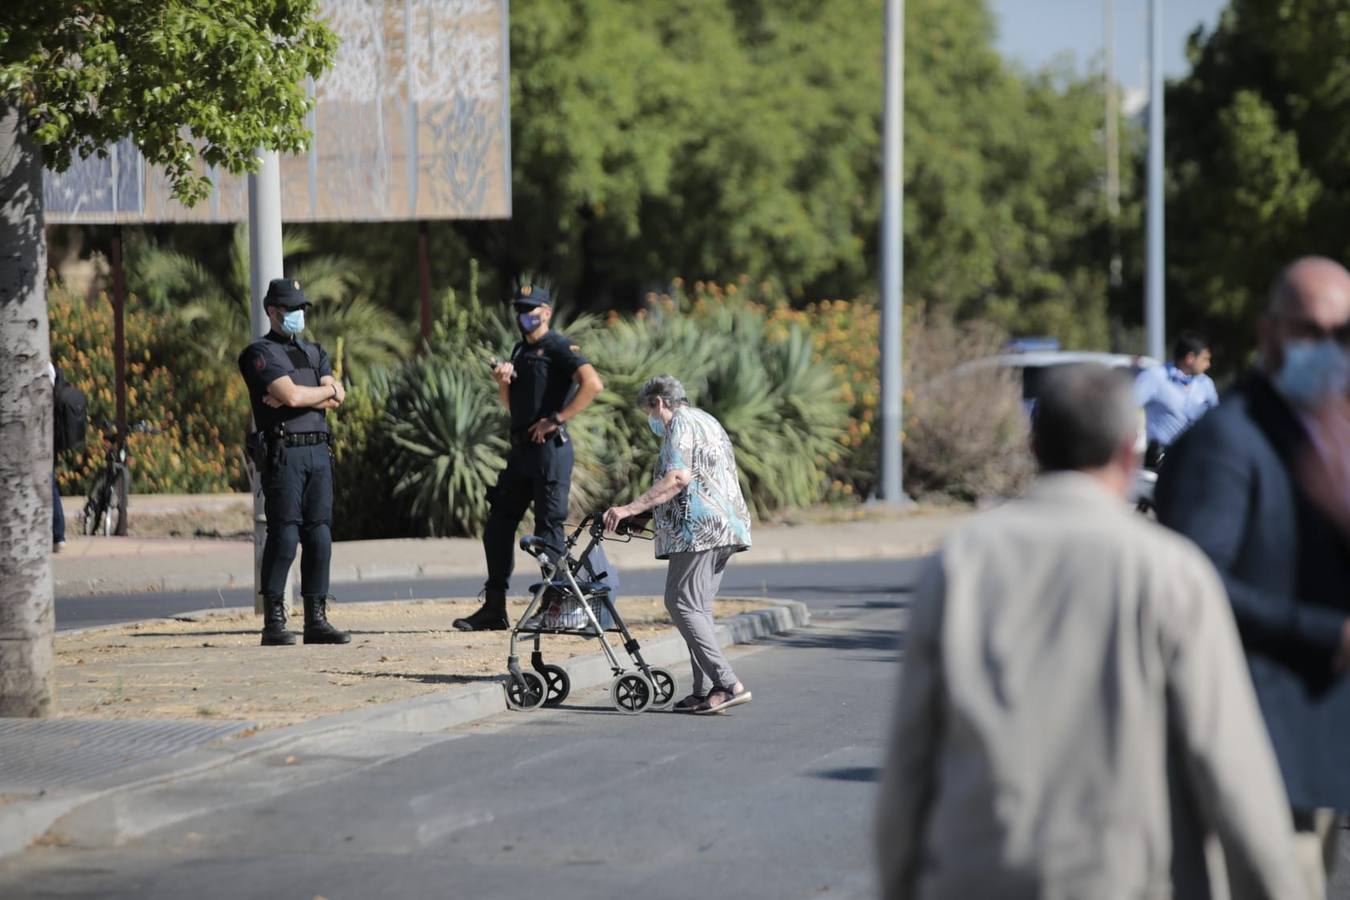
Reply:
x=657, y=426
x=1312, y=372
x=293, y=322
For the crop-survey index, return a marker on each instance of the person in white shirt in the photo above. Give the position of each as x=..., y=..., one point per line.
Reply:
x=1173, y=396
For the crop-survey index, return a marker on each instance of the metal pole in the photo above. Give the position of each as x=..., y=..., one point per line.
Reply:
x=1154, y=308
x=424, y=283
x=892, y=254
x=264, y=263
x=120, y=373
x=1112, y=146
x=119, y=303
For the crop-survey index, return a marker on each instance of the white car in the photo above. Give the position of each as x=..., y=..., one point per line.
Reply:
x=1032, y=367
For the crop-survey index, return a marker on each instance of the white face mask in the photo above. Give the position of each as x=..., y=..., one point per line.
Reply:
x=1312, y=372
x=293, y=322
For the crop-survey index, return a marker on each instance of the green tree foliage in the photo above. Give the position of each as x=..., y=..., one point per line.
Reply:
x=1257, y=138
x=188, y=81
x=710, y=137
x=725, y=137
x=1005, y=217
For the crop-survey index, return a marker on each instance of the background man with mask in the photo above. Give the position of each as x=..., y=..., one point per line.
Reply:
x=1230, y=484
x=546, y=382
x=291, y=387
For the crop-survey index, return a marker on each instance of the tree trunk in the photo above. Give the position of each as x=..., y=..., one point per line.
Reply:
x=26, y=614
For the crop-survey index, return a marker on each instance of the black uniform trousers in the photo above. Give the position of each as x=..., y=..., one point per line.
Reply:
x=535, y=473
x=298, y=500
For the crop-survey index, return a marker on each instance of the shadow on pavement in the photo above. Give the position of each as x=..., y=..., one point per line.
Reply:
x=851, y=773
x=194, y=634
x=419, y=677
x=839, y=639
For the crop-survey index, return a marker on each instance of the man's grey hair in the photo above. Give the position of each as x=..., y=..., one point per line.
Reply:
x=1084, y=414
x=667, y=387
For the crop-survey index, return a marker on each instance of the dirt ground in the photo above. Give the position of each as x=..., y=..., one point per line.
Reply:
x=213, y=666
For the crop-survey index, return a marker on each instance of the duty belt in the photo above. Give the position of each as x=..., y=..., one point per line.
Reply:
x=307, y=438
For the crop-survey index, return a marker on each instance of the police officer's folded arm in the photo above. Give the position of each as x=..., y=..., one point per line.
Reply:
x=288, y=393
x=328, y=381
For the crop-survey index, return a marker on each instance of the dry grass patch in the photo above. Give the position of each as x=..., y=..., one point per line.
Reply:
x=214, y=667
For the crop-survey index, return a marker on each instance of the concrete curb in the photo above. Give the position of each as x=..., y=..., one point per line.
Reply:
x=151, y=582
x=133, y=802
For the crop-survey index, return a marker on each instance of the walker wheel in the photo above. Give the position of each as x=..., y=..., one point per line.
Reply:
x=559, y=684
x=663, y=687
x=631, y=693
x=525, y=691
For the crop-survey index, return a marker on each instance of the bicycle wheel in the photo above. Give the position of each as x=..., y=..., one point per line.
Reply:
x=89, y=518
x=117, y=511
x=94, y=506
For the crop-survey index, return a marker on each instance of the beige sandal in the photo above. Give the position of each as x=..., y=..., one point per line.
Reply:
x=723, y=699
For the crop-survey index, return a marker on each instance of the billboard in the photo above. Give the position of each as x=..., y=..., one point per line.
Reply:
x=411, y=122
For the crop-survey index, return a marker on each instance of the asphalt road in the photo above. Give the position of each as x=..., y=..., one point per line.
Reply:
x=820, y=584
x=771, y=800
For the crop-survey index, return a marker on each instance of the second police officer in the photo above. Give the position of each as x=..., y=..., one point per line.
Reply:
x=544, y=385
x=291, y=387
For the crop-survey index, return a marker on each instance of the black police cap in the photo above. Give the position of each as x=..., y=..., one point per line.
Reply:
x=286, y=293
x=531, y=295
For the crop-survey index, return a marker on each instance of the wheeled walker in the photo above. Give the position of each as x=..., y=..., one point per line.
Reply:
x=575, y=598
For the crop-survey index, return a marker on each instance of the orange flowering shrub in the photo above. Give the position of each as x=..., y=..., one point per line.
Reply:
x=197, y=405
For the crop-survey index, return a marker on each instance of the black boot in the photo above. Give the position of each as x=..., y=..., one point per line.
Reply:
x=491, y=616
x=317, y=629
x=274, y=633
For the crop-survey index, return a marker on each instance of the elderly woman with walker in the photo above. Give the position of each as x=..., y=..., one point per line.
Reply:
x=701, y=520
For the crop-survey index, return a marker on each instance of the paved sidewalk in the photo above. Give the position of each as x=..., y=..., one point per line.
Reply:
x=94, y=783
x=102, y=781
x=125, y=565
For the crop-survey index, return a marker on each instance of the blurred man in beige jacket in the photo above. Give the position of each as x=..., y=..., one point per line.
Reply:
x=1074, y=709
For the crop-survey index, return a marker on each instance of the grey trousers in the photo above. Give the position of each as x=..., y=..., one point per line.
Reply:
x=691, y=587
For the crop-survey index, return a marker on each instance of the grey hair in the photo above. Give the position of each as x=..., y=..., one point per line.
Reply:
x=666, y=387
x=1084, y=415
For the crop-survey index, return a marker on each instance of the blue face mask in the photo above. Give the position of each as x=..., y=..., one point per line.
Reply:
x=657, y=426
x=1313, y=371
x=529, y=321
x=293, y=322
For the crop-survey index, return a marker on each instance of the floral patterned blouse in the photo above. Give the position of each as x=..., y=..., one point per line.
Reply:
x=710, y=512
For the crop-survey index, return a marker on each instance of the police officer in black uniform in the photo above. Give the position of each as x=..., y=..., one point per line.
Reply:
x=291, y=387
x=544, y=385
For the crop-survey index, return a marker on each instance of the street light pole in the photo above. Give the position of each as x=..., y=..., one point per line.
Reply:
x=1112, y=146
x=892, y=255
x=1154, y=305
x=264, y=264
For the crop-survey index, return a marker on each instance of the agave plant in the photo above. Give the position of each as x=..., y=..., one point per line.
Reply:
x=780, y=407
x=615, y=451
x=217, y=311
x=449, y=439
x=777, y=402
